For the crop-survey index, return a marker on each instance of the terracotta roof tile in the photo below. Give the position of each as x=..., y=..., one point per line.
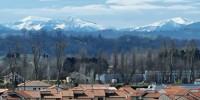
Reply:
x=182, y=91
x=52, y=90
x=138, y=93
x=87, y=94
x=99, y=93
x=23, y=94
x=35, y=83
x=67, y=93
x=33, y=94
x=153, y=95
x=76, y=88
x=190, y=97
x=128, y=89
x=196, y=94
x=120, y=93
x=171, y=94
x=53, y=96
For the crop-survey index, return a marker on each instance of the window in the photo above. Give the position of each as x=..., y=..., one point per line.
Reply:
x=100, y=98
x=34, y=89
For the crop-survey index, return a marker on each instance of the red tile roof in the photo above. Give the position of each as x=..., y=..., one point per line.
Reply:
x=67, y=93
x=171, y=94
x=153, y=95
x=99, y=93
x=120, y=93
x=196, y=94
x=76, y=88
x=190, y=97
x=138, y=93
x=53, y=96
x=128, y=89
x=52, y=90
x=33, y=94
x=29, y=94
x=87, y=94
x=182, y=91
x=35, y=83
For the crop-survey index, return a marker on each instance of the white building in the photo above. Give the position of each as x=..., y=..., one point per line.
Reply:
x=33, y=85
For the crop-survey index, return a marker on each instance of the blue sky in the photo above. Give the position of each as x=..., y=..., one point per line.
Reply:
x=116, y=13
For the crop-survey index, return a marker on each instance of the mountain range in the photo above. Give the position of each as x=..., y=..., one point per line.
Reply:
x=77, y=25
x=38, y=23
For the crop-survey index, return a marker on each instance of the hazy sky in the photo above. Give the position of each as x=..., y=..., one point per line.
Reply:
x=117, y=13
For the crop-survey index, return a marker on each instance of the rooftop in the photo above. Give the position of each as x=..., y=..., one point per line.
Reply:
x=35, y=84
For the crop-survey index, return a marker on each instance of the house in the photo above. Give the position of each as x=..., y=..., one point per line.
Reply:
x=22, y=95
x=107, y=78
x=33, y=85
x=67, y=94
x=138, y=94
x=75, y=77
x=156, y=96
x=9, y=78
x=117, y=95
x=182, y=93
x=127, y=89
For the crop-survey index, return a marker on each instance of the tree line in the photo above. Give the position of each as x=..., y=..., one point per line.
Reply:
x=41, y=56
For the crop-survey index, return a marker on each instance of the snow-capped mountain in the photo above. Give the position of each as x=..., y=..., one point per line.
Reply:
x=37, y=23
x=166, y=25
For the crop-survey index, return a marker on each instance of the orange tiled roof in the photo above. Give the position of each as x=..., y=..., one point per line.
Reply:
x=87, y=94
x=99, y=93
x=138, y=93
x=182, y=91
x=171, y=94
x=52, y=90
x=23, y=94
x=120, y=93
x=128, y=89
x=67, y=93
x=190, y=97
x=53, y=96
x=153, y=95
x=33, y=94
x=76, y=88
x=35, y=83
x=196, y=94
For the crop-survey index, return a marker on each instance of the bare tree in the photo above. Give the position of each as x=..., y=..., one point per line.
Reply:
x=115, y=61
x=37, y=50
x=59, y=51
x=132, y=66
x=162, y=54
x=190, y=52
x=172, y=59
x=13, y=61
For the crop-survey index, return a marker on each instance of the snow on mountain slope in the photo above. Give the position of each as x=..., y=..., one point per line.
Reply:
x=37, y=23
x=74, y=23
x=169, y=24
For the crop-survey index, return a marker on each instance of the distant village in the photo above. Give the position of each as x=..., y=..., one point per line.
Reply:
x=38, y=90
